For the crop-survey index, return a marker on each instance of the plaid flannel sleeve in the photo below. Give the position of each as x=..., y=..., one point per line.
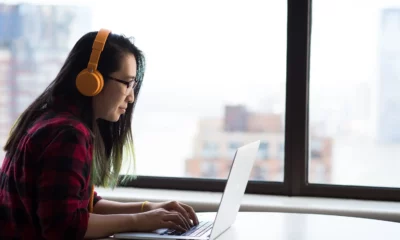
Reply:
x=62, y=205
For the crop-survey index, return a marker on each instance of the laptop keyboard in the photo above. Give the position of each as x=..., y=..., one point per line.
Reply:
x=195, y=231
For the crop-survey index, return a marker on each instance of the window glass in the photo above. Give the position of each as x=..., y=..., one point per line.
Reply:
x=354, y=93
x=216, y=74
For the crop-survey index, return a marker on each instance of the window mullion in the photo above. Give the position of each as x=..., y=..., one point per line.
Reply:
x=297, y=71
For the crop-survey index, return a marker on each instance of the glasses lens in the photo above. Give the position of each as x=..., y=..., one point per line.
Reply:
x=129, y=87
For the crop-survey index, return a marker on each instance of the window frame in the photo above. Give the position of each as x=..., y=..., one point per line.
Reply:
x=296, y=132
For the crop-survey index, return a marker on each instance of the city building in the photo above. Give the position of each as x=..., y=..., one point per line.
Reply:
x=217, y=140
x=5, y=118
x=389, y=78
x=34, y=42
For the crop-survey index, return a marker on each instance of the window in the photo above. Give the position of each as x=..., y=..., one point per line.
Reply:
x=220, y=74
x=215, y=95
x=354, y=83
x=184, y=115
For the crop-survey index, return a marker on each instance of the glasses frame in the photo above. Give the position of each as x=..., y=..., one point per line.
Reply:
x=131, y=84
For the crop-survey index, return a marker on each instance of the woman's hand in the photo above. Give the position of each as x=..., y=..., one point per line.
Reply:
x=173, y=206
x=160, y=218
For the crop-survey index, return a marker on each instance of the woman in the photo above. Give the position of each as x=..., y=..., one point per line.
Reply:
x=72, y=138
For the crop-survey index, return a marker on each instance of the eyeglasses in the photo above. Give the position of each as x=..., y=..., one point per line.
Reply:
x=129, y=85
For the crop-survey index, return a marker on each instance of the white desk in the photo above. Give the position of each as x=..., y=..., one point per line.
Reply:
x=288, y=226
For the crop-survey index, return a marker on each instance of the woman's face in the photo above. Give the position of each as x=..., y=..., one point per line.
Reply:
x=113, y=100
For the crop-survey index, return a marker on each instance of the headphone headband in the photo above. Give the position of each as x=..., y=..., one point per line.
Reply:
x=97, y=48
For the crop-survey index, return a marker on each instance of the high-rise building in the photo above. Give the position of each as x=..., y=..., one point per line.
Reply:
x=34, y=42
x=215, y=145
x=5, y=57
x=389, y=78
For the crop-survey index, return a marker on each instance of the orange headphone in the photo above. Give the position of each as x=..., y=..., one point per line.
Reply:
x=89, y=81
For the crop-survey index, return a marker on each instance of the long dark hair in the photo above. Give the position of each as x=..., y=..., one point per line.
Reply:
x=110, y=138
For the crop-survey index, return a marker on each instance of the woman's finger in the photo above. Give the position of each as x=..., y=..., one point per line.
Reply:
x=177, y=218
x=191, y=213
x=179, y=208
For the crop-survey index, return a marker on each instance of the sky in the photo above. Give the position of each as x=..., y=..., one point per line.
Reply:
x=204, y=54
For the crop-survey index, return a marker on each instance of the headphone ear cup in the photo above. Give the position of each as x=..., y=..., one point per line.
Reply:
x=101, y=80
x=89, y=83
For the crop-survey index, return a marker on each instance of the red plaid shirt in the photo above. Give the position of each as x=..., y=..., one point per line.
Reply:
x=44, y=189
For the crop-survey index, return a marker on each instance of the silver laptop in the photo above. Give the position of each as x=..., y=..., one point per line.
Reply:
x=228, y=208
